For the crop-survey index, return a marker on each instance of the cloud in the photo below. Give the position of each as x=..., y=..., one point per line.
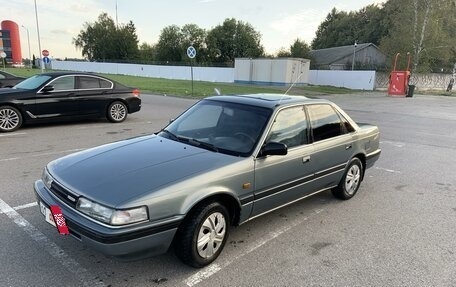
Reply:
x=61, y=32
x=302, y=24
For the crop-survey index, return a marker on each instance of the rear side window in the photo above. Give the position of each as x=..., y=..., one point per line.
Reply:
x=93, y=83
x=325, y=122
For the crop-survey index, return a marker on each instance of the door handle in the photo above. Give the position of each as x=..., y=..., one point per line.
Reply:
x=349, y=146
x=306, y=159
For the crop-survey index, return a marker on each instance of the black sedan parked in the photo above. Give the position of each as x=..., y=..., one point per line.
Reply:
x=8, y=80
x=65, y=95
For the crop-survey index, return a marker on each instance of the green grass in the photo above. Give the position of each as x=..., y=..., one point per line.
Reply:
x=200, y=89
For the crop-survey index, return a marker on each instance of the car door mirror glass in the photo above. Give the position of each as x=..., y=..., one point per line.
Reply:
x=274, y=148
x=47, y=89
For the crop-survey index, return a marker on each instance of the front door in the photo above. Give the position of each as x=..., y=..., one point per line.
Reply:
x=282, y=179
x=60, y=102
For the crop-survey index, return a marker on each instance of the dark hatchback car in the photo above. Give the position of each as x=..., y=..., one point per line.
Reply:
x=8, y=80
x=65, y=95
x=223, y=162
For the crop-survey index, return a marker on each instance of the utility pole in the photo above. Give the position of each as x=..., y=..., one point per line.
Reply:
x=450, y=85
x=39, y=41
x=28, y=40
x=354, y=52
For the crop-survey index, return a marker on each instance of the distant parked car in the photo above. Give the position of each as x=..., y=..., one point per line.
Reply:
x=223, y=162
x=65, y=95
x=8, y=80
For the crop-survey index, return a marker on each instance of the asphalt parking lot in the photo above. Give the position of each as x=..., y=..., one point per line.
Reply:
x=399, y=230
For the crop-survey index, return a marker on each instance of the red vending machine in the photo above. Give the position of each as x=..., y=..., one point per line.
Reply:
x=399, y=80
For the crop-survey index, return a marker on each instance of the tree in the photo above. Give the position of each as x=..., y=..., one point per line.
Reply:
x=126, y=41
x=103, y=40
x=233, y=39
x=169, y=46
x=147, y=52
x=283, y=53
x=424, y=28
x=300, y=49
x=192, y=35
x=341, y=28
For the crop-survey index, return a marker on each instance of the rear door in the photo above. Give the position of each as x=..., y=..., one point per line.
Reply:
x=94, y=94
x=332, y=142
x=61, y=101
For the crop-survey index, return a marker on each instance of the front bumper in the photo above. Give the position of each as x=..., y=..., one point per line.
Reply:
x=130, y=242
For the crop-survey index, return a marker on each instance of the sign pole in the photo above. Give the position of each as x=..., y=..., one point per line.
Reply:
x=3, y=56
x=191, y=67
x=191, y=53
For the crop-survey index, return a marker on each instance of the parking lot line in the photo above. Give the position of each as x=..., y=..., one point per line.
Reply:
x=12, y=134
x=55, y=251
x=44, y=154
x=214, y=268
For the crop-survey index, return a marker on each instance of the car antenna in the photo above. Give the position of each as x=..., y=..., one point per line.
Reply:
x=292, y=85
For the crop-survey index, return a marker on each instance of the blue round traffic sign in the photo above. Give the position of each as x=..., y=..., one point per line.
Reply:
x=46, y=60
x=191, y=52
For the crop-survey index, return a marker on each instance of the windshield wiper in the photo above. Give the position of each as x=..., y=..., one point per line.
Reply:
x=171, y=135
x=202, y=144
x=190, y=141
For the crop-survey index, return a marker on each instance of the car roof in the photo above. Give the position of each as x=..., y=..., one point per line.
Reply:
x=267, y=100
x=62, y=73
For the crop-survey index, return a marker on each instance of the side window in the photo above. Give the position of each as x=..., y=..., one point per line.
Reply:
x=105, y=84
x=325, y=122
x=348, y=127
x=63, y=84
x=88, y=83
x=2, y=76
x=290, y=127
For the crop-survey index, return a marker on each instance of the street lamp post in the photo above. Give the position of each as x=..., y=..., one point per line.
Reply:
x=354, y=51
x=28, y=41
x=39, y=41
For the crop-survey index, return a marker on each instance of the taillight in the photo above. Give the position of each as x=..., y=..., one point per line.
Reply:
x=136, y=92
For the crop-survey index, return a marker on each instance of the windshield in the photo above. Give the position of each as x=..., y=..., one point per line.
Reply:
x=32, y=82
x=220, y=127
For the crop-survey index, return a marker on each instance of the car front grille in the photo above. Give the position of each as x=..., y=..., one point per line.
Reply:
x=63, y=194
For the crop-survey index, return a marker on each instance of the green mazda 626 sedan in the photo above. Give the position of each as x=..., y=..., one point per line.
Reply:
x=223, y=162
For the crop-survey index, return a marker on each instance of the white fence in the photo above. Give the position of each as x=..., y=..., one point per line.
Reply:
x=361, y=80
x=209, y=74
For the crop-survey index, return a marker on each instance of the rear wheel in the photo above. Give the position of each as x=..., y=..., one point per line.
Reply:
x=202, y=236
x=117, y=112
x=10, y=119
x=351, y=180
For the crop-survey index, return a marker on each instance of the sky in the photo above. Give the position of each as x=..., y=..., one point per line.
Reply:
x=279, y=22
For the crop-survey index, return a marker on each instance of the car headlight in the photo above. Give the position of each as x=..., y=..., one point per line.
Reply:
x=46, y=178
x=110, y=215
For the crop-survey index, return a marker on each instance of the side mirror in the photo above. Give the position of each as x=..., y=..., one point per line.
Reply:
x=47, y=89
x=274, y=148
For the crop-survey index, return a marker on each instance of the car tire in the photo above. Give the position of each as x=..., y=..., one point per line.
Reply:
x=350, y=182
x=117, y=112
x=10, y=119
x=208, y=224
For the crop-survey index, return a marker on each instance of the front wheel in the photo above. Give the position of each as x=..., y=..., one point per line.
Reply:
x=351, y=180
x=10, y=119
x=117, y=112
x=202, y=236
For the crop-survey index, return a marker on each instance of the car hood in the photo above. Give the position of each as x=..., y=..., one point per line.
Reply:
x=4, y=92
x=114, y=173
